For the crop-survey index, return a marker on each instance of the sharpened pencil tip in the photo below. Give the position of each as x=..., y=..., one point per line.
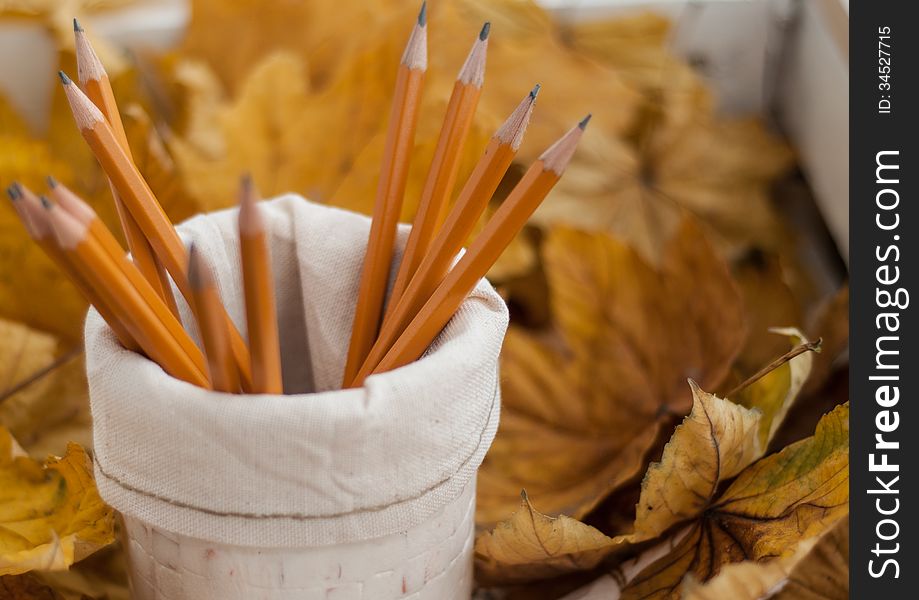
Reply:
x=535, y=91
x=45, y=202
x=423, y=14
x=483, y=35
x=76, y=25
x=585, y=121
x=52, y=182
x=64, y=79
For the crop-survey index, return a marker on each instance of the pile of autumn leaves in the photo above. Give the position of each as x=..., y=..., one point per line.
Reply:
x=658, y=259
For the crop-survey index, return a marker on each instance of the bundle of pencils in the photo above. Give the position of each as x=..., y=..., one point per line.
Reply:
x=134, y=293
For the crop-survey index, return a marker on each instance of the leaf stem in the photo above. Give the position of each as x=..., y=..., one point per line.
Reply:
x=796, y=351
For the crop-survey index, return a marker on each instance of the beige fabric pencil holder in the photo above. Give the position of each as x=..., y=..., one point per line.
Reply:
x=320, y=493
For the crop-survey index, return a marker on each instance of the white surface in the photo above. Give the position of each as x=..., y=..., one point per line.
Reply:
x=303, y=469
x=813, y=107
x=432, y=561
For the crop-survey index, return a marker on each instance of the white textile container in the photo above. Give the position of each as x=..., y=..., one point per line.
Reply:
x=319, y=493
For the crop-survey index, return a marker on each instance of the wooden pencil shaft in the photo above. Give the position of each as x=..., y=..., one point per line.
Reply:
x=439, y=182
x=461, y=221
x=507, y=221
x=215, y=337
x=63, y=261
x=97, y=86
x=81, y=211
x=388, y=205
x=157, y=342
x=100, y=232
x=261, y=314
x=100, y=92
x=101, y=272
x=147, y=212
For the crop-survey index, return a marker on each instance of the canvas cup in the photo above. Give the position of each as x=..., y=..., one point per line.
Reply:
x=318, y=468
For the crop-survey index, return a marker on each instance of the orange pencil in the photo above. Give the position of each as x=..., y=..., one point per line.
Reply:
x=84, y=213
x=213, y=328
x=147, y=212
x=35, y=220
x=464, y=215
x=390, y=191
x=441, y=175
x=258, y=288
x=500, y=230
x=95, y=82
x=101, y=272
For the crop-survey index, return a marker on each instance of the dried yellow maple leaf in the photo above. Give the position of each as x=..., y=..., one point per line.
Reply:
x=715, y=442
x=583, y=405
x=23, y=351
x=318, y=99
x=817, y=568
x=262, y=134
x=531, y=545
x=773, y=504
x=824, y=571
x=717, y=170
x=234, y=37
x=51, y=513
x=51, y=390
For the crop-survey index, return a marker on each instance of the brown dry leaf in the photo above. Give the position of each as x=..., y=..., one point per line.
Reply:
x=26, y=587
x=102, y=576
x=678, y=158
x=583, y=406
x=531, y=545
x=824, y=572
x=51, y=514
x=718, y=171
x=818, y=569
x=775, y=503
x=716, y=441
x=768, y=302
x=262, y=134
x=637, y=47
x=713, y=444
